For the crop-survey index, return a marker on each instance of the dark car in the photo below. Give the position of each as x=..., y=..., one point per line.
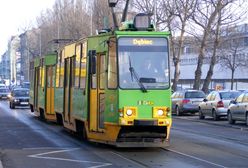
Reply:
x=186, y=101
x=4, y=93
x=19, y=97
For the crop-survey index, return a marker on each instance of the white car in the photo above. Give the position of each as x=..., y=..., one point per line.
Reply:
x=216, y=104
x=238, y=109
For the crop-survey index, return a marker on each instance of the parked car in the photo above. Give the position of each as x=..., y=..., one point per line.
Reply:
x=238, y=109
x=2, y=85
x=186, y=101
x=19, y=97
x=25, y=85
x=216, y=104
x=4, y=93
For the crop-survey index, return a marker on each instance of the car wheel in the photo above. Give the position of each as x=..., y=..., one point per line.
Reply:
x=201, y=116
x=177, y=111
x=215, y=116
x=247, y=118
x=229, y=117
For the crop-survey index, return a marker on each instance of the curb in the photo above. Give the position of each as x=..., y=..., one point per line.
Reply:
x=216, y=124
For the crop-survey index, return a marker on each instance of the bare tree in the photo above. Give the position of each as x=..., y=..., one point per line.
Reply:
x=206, y=19
x=213, y=58
x=232, y=57
x=183, y=11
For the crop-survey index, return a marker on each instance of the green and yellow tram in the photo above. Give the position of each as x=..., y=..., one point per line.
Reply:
x=114, y=87
x=42, y=71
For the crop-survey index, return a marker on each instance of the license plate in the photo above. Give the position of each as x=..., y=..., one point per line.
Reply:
x=195, y=102
x=24, y=103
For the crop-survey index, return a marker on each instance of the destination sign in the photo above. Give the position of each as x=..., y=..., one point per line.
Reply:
x=141, y=42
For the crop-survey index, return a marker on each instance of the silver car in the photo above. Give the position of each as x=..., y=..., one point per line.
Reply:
x=4, y=92
x=238, y=109
x=216, y=104
x=186, y=101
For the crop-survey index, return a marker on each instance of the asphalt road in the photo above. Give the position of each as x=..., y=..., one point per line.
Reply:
x=26, y=142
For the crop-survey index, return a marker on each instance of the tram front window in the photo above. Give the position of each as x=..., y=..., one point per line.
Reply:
x=143, y=63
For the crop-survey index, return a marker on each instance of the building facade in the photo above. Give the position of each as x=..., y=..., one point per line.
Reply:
x=233, y=48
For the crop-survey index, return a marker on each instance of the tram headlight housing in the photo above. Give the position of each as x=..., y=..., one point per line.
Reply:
x=160, y=112
x=130, y=112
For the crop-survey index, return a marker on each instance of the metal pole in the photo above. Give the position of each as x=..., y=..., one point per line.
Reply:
x=114, y=18
x=124, y=15
x=40, y=42
x=155, y=13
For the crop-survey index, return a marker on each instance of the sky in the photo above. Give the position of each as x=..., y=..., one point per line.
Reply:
x=16, y=15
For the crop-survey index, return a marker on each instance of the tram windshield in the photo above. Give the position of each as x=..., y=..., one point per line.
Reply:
x=143, y=63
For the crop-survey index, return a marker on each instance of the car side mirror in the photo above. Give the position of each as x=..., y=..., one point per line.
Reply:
x=233, y=102
x=205, y=100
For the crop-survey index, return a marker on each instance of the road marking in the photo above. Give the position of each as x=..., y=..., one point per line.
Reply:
x=41, y=156
x=128, y=159
x=1, y=165
x=196, y=158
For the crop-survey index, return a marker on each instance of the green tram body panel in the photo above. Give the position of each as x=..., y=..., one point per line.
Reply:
x=58, y=100
x=41, y=63
x=36, y=63
x=49, y=60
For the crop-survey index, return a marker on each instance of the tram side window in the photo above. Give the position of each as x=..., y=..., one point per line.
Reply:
x=77, y=66
x=31, y=74
x=102, y=71
x=112, y=69
x=41, y=81
x=73, y=63
x=58, y=71
x=83, y=66
x=61, y=74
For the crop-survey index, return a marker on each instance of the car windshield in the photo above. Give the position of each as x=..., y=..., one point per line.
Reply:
x=143, y=63
x=194, y=95
x=19, y=93
x=4, y=90
x=26, y=85
x=229, y=95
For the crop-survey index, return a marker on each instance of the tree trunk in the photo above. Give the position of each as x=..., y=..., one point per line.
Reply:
x=198, y=71
x=232, y=80
x=176, y=75
x=213, y=58
x=178, y=57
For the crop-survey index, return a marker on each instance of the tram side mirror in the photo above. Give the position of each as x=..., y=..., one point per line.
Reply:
x=92, y=56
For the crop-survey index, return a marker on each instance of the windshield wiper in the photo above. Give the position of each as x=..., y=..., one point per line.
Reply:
x=136, y=77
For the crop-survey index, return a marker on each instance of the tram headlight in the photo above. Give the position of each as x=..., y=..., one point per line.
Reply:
x=160, y=112
x=129, y=112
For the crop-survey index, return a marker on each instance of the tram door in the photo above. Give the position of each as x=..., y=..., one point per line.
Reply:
x=36, y=83
x=97, y=95
x=49, y=102
x=68, y=89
